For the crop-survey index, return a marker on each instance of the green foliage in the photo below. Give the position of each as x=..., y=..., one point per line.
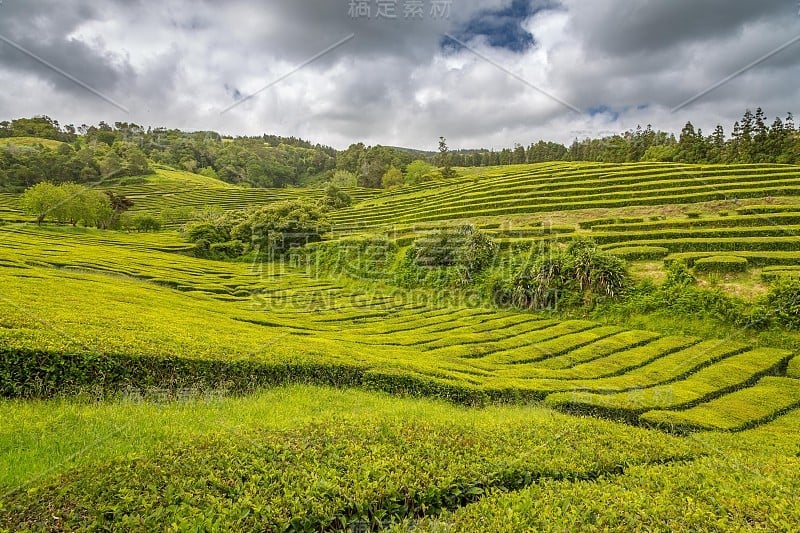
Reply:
x=279, y=227
x=42, y=127
x=462, y=246
x=418, y=171
x=370, y=164
x=541, y=285
x=640, y=253
x=741, y=409
x=444, y=160
x=370, y=470
x=145, y=223
x=335, y=198
x=68, y=203
x=783, y=301
x=392, y=178
x=267, y=231
x=555, y=276
x=41, y=200
x=679, y=275
x=721, y=263
x=344, y=178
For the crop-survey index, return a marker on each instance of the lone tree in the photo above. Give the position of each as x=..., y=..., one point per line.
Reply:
x=444, y=159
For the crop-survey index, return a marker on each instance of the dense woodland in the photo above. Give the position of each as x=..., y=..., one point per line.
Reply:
x=89, y=153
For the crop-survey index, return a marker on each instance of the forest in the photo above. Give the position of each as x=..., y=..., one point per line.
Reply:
x=89, y=153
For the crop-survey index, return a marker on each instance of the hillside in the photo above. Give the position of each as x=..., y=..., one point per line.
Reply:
x=144, y=386
x=30, y=141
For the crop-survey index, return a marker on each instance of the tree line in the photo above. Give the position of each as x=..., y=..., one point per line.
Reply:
x=89, y=153
x=752, y=140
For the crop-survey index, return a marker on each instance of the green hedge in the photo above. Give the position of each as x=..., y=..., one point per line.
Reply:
x=354, y=474
x=730, y=374
x=727, y=244
x=640, y=253
x=768, y=399
x=745, y=221
x=721, y=263
x=767, y=209
x=755, y=258
x=632, y=238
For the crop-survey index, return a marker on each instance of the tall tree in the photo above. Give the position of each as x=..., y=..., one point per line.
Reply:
x=444, y=159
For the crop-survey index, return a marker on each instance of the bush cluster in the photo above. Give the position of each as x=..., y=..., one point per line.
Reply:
x=266, y=231
x=581, y=272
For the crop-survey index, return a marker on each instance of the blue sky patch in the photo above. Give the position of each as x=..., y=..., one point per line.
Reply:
x=502, y=28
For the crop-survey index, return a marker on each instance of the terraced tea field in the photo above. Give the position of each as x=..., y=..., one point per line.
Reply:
x=504, y=205
x=149, y=389
x=553, y=187
x=169, y=189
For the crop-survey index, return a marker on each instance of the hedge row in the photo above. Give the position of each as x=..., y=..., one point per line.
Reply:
x=754, y=258
x=726, y=376
x=36, y=374
x=750, y=407
x=781, y=219
x=726, y=244
x=465, y=196
x=721, y=263
x=555, y=204
x=546, y=179
x=687, y=233
x=488, y=199
x=350, y=475
x=640, y=253
x=767, y=209
x=589, y=224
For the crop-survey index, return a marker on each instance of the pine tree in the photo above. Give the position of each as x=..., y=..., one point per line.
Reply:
x=444, y=159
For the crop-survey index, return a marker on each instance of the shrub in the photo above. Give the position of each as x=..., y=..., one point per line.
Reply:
x=462, y=246
x=279, y=227
x=335, y=198
x=146, y=223
x=607, y=275
x=227, y=250
x=640, y=253
x=540, y=285
x=678, y=275
x=207, y=231
x=693, y=214
x=594, y=270
x=783, y=302
x=721, y=264
x=392, y=179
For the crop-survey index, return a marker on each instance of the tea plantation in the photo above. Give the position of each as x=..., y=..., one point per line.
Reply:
x=146, y=388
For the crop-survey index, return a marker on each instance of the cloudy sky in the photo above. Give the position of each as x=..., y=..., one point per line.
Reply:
x=486, y=73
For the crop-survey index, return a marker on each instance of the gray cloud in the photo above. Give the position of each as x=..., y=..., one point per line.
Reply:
x=178, y=63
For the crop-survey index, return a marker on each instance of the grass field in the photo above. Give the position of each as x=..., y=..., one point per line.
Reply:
x=145, y=388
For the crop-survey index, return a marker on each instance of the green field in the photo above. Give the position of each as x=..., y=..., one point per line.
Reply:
x=144, y=388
